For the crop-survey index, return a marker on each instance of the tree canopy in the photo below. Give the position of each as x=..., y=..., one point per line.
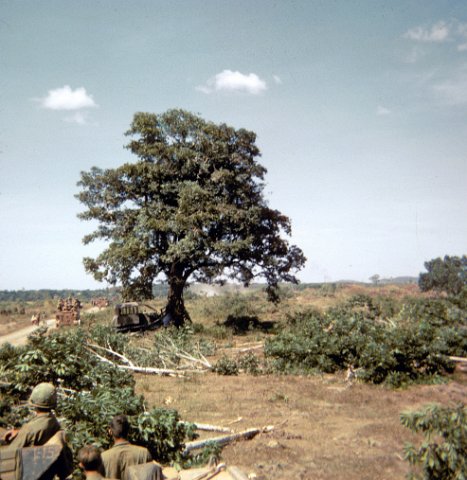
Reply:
x=191, y=207
x=448, y=275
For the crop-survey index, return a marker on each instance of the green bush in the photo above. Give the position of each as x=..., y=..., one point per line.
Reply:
x=442, y=455
x=90, y=392
x=225, y=366
x=413, y=347
x=250, y=363
x=218, y=308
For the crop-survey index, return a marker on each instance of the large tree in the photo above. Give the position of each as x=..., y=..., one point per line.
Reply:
x=190, y=208
x=448, y=275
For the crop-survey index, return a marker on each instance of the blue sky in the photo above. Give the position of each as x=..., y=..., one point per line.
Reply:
x=359, y=107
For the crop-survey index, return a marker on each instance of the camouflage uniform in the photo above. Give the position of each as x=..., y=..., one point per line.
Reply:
x=122, y=455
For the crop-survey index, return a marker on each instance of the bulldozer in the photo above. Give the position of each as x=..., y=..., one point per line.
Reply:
x=100, y=302
x=134, y=316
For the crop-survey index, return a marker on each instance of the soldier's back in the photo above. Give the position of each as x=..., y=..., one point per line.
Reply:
x=121, y=456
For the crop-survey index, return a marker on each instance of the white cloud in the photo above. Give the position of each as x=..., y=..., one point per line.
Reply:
x=277, y=79
x=439, y=32
x=462, y=47
x=453, y=91
x=65, y=98
x=229, y=81
x=382, y=110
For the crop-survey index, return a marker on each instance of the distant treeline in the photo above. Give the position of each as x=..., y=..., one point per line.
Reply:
x=46, y=294
x=112, y=294
x=159, y=291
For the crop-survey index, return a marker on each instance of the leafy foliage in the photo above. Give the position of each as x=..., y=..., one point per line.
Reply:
x=442, y=455
x=226, y=366
x=409, y=348
x=192, y=206
x=250, y=363
x=91, y=392
x=448, y=275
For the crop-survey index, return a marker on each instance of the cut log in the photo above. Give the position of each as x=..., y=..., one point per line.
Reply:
x=226, y=439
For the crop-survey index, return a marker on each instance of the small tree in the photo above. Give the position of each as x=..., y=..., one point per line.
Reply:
x=441, y=456
x=448, y=275
x=374, y=279
x=191, y=207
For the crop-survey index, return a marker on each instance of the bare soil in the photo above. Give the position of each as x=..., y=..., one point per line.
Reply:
x=324, y=427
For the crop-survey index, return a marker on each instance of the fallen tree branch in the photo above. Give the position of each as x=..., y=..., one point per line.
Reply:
x=226, y=439
x=244, y=347
x=101, y=358
x=187, y=356
x=208, y=428
x=256, y=347
x=149, y=370
x=112, y=352
x=458, y=359
x=238, y=419
x=154, y=371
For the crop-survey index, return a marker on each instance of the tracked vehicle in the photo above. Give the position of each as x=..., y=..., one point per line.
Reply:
x=133, y=317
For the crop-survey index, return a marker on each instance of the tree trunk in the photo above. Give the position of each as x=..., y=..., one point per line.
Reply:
x=175, y=304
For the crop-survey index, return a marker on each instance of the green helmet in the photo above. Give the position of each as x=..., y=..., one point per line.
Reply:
x=44, y=396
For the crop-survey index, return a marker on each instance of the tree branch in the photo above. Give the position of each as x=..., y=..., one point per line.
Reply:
x=226, y=439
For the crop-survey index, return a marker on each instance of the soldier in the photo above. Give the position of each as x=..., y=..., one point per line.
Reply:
x=123, y=454
x=90, y=460
x=44, y=433
x=76, y=305
x=43, y=426
x=61, y=305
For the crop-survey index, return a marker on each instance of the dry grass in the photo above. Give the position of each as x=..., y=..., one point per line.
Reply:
x=324, y=428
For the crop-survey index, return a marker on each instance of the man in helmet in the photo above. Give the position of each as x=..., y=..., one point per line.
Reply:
x=43, y=426
x=123, y=454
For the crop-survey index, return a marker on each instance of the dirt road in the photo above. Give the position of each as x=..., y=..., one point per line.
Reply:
x=19, y=337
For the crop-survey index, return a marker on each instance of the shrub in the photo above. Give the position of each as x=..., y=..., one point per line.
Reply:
x=441, y=456
x=414, y=347
x=250, y=363
x=90, y=392
x=226, y=366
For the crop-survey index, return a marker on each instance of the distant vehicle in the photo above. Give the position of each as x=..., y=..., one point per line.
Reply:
x=134, y=316
x=100, y=302
x=68, y=312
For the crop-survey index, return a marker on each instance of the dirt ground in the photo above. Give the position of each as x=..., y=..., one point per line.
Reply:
x=324, y=428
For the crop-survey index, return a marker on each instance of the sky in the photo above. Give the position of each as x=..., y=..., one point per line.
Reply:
x=359, y=108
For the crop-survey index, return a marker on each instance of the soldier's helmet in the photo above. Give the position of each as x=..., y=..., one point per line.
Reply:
x=43, y=396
